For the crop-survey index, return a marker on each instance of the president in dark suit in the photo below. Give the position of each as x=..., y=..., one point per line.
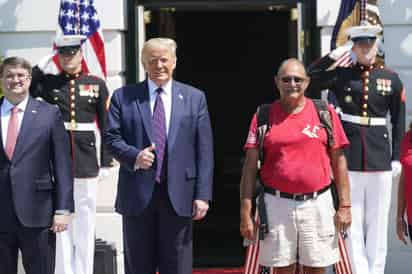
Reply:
x=159, y=130
x=36, y=183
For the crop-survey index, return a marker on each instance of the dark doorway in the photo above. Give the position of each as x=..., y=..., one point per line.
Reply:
x=232, y=56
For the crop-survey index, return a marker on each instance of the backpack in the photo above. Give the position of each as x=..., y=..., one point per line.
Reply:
x=263, y=124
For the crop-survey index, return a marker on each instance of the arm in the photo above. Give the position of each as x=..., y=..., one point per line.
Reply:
x=397, y=111
x=36, y=86
x=321, y=77
x=61, y=163
x=343, y=216
x=401, y=225
x=101, y=109
x=247, y=189
x=113, y=138
x=204, y=143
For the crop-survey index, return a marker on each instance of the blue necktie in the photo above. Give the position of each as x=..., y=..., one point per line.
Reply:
x=159, y=132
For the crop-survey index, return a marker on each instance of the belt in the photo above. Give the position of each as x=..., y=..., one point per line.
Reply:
x=364, y=121
x=295, y=196
x=80, y=126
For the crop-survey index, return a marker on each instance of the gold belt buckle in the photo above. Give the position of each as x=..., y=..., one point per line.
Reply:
x=364, y=121
x=73, y=125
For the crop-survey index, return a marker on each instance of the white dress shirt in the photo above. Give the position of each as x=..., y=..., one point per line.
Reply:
x=5, y=116
x=166, y=96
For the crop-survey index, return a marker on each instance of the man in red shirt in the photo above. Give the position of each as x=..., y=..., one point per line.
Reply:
x=296, y=175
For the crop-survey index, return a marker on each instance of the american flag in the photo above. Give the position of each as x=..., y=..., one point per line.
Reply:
x=80, y=17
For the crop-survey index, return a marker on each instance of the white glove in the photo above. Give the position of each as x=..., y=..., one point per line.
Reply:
x=103, y=172
x=396, y=168
x=340, y=51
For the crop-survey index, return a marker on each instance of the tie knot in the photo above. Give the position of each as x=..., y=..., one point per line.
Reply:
x=15, y=109
x=159, y=90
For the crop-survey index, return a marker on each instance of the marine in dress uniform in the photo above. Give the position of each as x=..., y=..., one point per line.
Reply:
x=82, y=100
x=365, y=94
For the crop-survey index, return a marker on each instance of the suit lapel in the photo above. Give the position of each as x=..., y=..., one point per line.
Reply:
x=176, y=114
x=143, y=104
x=30, y=114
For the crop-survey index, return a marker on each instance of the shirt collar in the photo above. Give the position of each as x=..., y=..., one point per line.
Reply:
x=167, y=88
x=7, y=106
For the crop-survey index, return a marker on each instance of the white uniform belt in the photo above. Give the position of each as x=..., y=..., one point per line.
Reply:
x=80, y=126
x=364, y=121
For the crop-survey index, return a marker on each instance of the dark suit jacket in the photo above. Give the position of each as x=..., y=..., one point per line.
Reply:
x=189, y=143
x=38, y=180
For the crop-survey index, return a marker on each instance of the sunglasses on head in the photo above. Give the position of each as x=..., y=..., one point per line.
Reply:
x=69, y=50
x=289, y=79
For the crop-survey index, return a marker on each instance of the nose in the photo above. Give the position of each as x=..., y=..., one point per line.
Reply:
x=158, y=63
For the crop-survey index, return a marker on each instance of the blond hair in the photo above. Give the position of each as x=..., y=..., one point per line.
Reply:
x=160, y=42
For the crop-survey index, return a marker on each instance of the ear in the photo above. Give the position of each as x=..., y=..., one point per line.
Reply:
x=276, y=81
x=307, y=82
x=175, y=62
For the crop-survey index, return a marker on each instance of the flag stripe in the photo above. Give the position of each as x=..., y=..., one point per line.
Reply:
x=97, y=44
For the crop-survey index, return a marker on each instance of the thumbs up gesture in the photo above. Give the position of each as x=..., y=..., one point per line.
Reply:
x=145, y=158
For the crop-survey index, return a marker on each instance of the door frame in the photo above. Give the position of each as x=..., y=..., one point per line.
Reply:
x=308, y=32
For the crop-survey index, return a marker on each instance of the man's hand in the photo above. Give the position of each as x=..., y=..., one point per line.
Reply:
x=145, y=158
x=401, y=230
x=396, y=168
x=60, y=222
x=247, y=228
x=103, y=172
x=200, y=209
x=337, y=53
x=343, y=219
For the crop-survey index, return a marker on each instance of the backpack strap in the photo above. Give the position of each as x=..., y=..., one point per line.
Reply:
x=325, y=119
x=262, y=127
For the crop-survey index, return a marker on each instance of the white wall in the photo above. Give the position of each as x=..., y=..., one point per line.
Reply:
x=397, y=19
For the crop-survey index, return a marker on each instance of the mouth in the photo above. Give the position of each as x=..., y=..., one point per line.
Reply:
x=15, y=86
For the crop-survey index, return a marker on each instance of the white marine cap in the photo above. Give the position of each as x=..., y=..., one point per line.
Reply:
x=363, y=32
x=69, y=40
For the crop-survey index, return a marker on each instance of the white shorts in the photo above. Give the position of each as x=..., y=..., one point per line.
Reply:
x=300, y=231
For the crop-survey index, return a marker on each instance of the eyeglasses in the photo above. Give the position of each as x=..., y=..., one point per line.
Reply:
x=68, y=51
x=289, y=79
x=19, y=76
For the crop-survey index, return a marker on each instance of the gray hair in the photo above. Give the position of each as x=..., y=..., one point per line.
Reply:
x=16, y=62
x=160, y=42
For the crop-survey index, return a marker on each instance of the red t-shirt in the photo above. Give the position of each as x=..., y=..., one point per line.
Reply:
x=296, y=156
x=406, y=160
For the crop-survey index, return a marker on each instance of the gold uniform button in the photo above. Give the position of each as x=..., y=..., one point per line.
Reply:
x=366, y=89
x=72, y=82
x=72, y=105
x=365, y=106
x=72, y=97
x=73, y=113
x=366, y=73
x=56, y=98
x=72, y=90
x=365, y=113
x=365, y=96
x=367, y=81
